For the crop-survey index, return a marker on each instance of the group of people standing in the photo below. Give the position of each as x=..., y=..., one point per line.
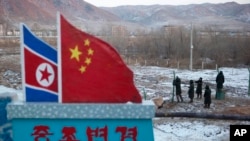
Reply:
x=207, y=93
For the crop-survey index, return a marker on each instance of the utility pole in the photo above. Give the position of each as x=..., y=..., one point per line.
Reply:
x=249, y=82
x=191, y=48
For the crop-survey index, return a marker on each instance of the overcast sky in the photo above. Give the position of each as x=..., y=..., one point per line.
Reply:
x=112, y=3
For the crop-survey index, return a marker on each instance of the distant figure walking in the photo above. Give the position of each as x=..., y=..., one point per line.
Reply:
x=199, y=88
x=207, y=97
x=177, y=83
x=191, y=91
x=220, y=80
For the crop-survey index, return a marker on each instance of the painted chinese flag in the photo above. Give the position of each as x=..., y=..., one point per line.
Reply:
x=91, y=70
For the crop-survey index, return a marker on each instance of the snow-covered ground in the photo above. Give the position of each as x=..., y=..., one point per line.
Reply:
x=157, y=81
x=235, y=78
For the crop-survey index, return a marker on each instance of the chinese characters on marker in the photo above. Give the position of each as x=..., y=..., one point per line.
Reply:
x=41, y=131
x=69, y=133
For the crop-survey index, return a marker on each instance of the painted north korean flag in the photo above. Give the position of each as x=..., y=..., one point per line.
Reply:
x=39, y=68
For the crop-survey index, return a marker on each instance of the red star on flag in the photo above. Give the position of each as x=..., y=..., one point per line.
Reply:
x=45, y=74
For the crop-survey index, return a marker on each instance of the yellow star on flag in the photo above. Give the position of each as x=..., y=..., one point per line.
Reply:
x=90, y=51
x=82, y=69
x=88, y=61
x=86, y=42
x=75, y=53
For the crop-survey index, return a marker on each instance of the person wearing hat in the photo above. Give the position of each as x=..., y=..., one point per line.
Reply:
x=177, y=83
x=199, y=88
x=207, y=97
x=191, y=91
x=220, y=80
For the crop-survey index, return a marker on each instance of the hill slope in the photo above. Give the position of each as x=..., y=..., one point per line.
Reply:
x=44, y=11
x=225, y=13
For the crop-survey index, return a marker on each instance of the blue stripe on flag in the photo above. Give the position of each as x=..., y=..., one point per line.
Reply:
x=36, y=95
x=39, y=46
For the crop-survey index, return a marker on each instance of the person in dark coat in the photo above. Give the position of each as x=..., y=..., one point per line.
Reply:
x=177, y=83
x=199, y=88
x=220, y=80
x=207, y=97
x=191, y=91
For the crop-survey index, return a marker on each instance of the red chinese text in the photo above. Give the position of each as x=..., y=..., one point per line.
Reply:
x=41, y=131
x=69, y=134
x=98, y=132
x=127, y=133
